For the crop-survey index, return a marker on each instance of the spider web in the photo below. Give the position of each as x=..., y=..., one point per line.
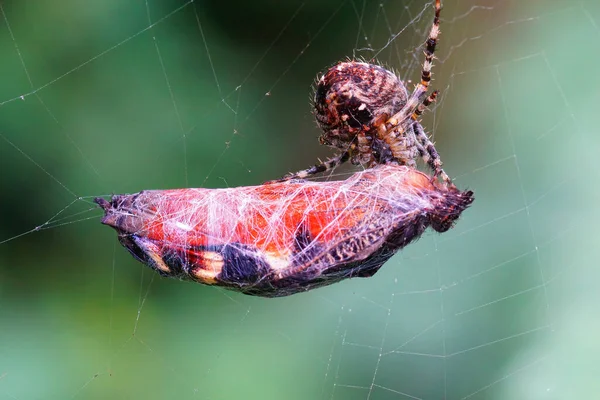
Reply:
x=121, y=96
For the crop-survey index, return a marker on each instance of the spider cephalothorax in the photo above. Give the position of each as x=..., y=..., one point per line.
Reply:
x=366, y=112
x=352, y=99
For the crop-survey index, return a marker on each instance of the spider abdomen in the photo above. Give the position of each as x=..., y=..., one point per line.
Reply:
x=352, y=97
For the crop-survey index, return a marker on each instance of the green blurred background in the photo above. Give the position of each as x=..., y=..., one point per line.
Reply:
x=120, y=95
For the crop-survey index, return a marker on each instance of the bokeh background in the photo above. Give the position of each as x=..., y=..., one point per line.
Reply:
x=119, y=96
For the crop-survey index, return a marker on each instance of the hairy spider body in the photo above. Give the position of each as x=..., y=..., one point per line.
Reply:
x=352, y=99
x=366, y=112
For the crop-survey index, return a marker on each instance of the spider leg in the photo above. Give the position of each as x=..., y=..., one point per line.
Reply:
x=402, y=145
x=406, y=144
x=430, y=46
x=414, y=101
x=317, y=168
x=417, y=113
x=429, y=154
x=426, y=148
x=365, y=149
x=426, y=103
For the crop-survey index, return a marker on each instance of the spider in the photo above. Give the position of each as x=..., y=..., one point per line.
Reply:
x=365, y=111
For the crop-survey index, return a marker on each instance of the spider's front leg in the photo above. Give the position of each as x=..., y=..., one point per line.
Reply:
x=401, y=142
x=317, y=168
x=425, y=146
x=425, y=104
x=416, y=97
x=429, y=154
